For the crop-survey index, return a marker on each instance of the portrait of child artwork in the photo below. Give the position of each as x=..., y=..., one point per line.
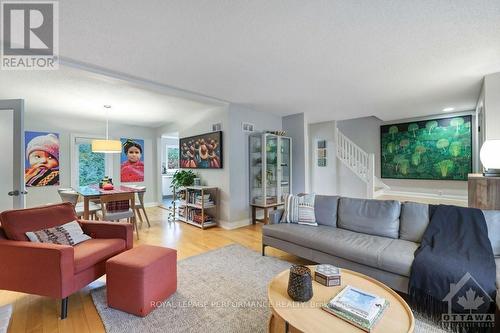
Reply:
x=41, y=167
x=132, y=161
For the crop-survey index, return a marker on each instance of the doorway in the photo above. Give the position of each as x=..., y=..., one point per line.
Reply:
x=12, y=162
x=169, y=165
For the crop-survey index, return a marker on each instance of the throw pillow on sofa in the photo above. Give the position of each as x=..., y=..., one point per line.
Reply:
x=67, y=234
x=299, y=209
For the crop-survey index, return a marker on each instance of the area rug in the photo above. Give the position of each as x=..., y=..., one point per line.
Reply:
x=220, y=291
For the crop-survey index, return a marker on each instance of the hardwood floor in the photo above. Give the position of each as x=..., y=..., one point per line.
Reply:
x=41, y=314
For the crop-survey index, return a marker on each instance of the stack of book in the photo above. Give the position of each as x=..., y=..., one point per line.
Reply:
x=204, y=200
x=357, y=307
x=198, y=219
x=267, y=201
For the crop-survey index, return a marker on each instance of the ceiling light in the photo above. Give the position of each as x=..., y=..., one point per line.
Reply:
x=448, y=109
x=107, y=145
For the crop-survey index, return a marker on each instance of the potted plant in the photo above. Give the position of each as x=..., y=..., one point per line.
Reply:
x=183, y=178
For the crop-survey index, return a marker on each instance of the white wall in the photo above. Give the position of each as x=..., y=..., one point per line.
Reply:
x=70, y=125
x=296, y=127
x=239, y=155
x=492, y=105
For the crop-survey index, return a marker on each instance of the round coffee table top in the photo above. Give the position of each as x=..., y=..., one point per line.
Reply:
x=309, y=317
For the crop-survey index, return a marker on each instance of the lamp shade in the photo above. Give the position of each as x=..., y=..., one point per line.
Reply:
x=106, y=146
x=490, y=154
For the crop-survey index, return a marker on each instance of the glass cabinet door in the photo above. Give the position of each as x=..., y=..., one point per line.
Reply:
x=256, y=185
x=285, y=170
x=271, y=170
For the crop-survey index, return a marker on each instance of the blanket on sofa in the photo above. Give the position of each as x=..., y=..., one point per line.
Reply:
x=454, y=267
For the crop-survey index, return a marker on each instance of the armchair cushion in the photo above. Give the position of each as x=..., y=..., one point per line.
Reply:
x=93, y=251
x=106, y=230
x=16, y=223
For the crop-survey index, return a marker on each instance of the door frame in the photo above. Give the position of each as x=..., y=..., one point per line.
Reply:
x=17, y=105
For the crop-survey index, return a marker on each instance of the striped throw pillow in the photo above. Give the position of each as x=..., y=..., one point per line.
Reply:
x=299, y=209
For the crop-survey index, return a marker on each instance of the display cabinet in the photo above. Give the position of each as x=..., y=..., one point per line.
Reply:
x=270, y=168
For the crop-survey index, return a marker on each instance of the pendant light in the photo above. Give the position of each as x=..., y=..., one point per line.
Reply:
x=107, y=145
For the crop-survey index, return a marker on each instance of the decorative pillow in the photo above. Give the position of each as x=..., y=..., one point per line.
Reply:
x=66, y=234
x=299, y=209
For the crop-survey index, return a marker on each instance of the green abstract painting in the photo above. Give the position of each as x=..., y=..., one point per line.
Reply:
x=432, y=149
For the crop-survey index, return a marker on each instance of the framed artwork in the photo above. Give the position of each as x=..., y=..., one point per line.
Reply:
x=321, y=150
x=435, y=149
x=201, y=151
x=132, y=160
x=41, y=166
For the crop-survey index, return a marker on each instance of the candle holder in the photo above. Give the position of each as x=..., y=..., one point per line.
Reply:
x=300, y=283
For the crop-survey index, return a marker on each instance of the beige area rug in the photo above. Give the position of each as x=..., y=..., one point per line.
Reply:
x=220, y=291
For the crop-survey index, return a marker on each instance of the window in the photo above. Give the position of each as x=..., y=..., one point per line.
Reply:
x=172, y=158
x=90, y=167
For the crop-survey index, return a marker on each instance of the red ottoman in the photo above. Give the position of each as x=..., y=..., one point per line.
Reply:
x=138, y=279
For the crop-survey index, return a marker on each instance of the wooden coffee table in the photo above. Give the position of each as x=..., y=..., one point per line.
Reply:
x=290, y=316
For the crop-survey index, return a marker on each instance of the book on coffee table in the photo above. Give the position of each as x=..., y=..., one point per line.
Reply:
x=357, y=307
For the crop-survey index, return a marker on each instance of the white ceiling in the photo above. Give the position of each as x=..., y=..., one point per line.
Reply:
x=332, y=59
x=82, y=94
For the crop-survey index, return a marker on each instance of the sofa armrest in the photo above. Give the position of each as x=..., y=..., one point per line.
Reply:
x=109, y=230
x=275, y=216
x=36, y=268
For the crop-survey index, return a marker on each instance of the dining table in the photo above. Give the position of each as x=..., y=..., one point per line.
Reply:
x=93, y=192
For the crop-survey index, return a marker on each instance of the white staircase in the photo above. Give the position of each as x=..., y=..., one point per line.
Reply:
x=359, y=162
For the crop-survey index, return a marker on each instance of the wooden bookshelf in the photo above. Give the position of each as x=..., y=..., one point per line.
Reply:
x=198, y=206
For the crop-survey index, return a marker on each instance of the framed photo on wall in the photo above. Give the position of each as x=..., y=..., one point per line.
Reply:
x=201, y=151
x=434, y=149
x=41, y=165
x=132, y=160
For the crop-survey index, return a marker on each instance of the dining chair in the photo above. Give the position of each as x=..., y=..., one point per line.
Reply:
x=140, y=205
x=72, y=196
x=117, y=206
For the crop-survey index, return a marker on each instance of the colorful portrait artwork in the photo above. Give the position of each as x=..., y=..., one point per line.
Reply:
x=132, y=160
x=41, y=166
x=201, y=151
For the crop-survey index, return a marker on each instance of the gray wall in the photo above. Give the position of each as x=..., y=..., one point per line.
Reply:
x=239, y=155
x=365, y=132
x=492, y=106
x=296, y=127
x=71, y=125
x=323, y=180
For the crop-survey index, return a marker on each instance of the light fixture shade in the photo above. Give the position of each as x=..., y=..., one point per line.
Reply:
x=490, y=154
x=106, y=146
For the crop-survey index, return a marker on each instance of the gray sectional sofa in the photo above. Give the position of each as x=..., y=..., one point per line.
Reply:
x=374, y=237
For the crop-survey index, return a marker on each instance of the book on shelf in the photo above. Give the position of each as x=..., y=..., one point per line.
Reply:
x=357, y=307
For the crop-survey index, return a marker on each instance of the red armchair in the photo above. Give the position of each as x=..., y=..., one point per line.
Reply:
x=55, y=270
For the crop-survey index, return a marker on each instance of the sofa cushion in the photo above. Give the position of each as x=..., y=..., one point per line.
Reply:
x=413, y=221
x=325, y=207
x=492, y=218
x=497, y=262
x=357, y=247
x=398, y=257
x=95, y=250
x=16, y=223
x=373, y=217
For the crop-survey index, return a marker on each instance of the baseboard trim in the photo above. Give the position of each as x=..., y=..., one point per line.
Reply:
x=420, y=195
x=234, y=225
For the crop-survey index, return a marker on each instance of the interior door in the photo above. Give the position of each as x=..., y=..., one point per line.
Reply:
x=12, y=194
